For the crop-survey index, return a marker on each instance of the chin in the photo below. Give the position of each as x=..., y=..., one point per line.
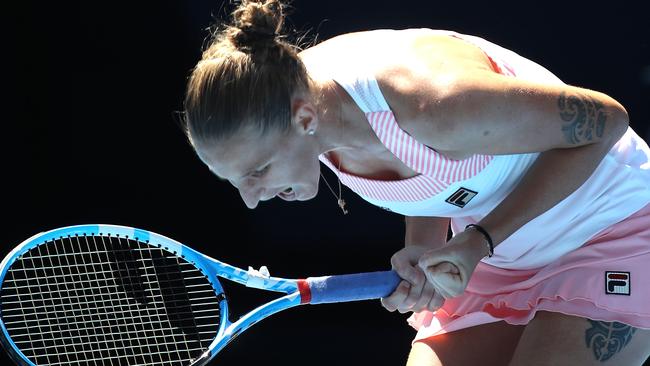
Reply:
x=307, y=195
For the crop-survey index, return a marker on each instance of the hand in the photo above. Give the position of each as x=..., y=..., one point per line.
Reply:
x=449, y=268
x=414, y=293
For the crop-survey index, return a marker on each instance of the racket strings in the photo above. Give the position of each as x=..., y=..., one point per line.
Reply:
x=106, y=300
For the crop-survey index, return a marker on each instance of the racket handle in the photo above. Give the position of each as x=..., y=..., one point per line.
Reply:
x=351, y=287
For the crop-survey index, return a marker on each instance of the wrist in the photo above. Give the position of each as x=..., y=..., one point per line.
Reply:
x=488, y=249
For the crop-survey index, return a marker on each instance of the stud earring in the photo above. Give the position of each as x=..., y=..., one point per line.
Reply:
x=311, y=132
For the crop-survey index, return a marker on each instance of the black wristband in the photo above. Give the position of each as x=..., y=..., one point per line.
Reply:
x=487, y=237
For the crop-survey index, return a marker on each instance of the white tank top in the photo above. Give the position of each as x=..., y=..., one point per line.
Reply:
x=467, y=190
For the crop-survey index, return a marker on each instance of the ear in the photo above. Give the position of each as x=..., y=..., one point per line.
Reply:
x=304, y=116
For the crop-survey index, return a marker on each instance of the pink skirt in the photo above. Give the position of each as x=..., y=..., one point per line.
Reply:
x=606, y=279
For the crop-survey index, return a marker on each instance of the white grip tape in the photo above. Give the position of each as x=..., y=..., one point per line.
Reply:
x=257, y=278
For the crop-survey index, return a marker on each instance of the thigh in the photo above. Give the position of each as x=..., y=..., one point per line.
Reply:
x=486, y=344
x=558, y=339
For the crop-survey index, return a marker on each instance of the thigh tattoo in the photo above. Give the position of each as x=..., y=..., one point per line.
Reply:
x=607, y=338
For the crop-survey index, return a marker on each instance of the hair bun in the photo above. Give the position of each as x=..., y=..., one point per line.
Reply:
x=257, y=22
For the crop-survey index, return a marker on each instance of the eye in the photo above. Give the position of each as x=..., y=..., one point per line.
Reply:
x=260, y=172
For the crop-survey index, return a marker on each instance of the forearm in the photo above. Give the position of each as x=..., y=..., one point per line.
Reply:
x=429, y=232
x=553, y=176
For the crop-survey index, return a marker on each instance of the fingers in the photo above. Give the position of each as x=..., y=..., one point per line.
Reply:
x=403, y=298
x=426, y=295
x=428, y=260
x=436, y=302
x=411, y=298
x=407, y=270
x=437, y=267
x=447, y=267
x=416, y=293
x=446, y=279
x=396, y=299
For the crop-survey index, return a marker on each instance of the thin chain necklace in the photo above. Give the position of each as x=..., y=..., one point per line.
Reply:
x=339, y=198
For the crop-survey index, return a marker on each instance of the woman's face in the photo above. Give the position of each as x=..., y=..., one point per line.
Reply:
x=263, y=167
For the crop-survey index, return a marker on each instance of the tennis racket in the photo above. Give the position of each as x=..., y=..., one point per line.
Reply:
x=115, y=295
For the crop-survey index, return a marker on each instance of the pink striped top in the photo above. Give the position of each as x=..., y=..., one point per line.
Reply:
x=475, y=186
x=436, y=171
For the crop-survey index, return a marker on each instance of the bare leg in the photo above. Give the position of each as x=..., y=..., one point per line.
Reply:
x=558, y=339
x=488, y=344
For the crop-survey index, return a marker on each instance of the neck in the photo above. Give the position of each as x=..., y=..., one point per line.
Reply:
x=337, y=131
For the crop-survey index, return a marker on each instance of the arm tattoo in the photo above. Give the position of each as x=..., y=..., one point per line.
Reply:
x=586, y=117
x=607, y=338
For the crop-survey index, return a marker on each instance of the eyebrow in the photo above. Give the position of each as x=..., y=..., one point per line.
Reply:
x=262, y=163
x=227, y=180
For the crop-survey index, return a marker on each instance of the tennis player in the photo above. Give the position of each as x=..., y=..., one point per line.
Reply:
x=545, y=186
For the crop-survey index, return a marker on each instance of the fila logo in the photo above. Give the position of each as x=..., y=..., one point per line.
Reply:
x=617, y=283
x=461, y=197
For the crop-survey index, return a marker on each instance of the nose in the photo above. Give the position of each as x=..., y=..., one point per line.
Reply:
x=250, y=197
x=252, y=194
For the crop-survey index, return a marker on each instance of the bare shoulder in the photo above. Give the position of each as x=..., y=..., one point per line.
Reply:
x=416, y=70
x=387, y=48
x=445, y=94
x=430, y=69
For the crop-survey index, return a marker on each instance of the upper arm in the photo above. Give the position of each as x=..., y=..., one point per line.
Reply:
x=488, y=113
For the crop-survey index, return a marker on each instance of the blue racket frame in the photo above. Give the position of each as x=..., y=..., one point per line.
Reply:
x=313, y=290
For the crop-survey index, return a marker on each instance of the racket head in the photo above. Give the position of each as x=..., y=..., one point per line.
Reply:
x=189, y=343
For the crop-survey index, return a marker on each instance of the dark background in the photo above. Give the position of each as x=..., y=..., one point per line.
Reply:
x=90, y=135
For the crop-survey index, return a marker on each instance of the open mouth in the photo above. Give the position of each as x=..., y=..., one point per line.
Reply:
x=288, y=194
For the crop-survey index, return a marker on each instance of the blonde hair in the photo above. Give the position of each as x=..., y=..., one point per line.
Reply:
x=246, y=76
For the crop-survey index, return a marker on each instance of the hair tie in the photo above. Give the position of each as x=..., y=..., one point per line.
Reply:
x=254, y=34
